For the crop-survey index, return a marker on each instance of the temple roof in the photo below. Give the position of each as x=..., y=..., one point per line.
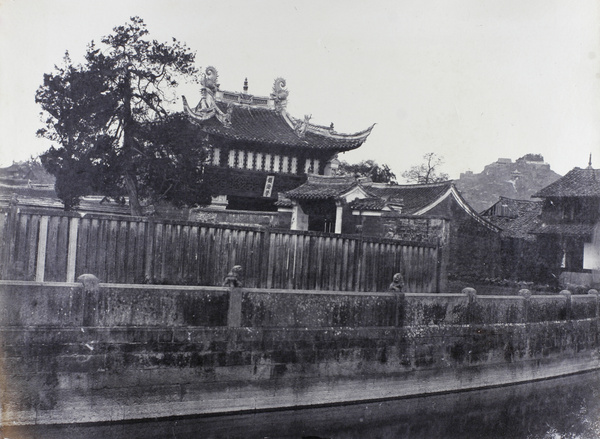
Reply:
x=245, y=117
x=412, y=197
x=320, y=187
x=518, y=217
x=576, y=183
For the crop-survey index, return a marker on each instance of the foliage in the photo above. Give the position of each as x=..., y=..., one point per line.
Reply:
x=109, y=125
x=370, y=169
x=426, y=172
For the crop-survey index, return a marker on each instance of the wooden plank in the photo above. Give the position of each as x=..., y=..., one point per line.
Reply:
x=203, y=247
x=32, y=240
x=287, y=255
x=184, y=237
x=157, y=237
x=111, y=251
x=51, y=248
x=9, y=240
x=101, y=251
x=19, y=263
x=82, y=247
x=252, y=275
x=351, y=266
x=62, y=249
x=41, y=249
x=72, y=248
x=131, y=251
x=293, y=261
x=139, y=268
x=271, y=260
x=305, y=261
x=149, y=250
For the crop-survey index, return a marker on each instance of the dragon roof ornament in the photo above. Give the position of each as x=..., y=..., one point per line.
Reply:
x=279, y=94
x=209, y=79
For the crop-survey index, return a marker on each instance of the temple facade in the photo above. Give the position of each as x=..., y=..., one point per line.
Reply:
x=257, y=148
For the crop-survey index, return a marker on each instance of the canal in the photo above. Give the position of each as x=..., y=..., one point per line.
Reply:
x=563, y=408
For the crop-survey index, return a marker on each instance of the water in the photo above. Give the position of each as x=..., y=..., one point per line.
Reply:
x=564, y=408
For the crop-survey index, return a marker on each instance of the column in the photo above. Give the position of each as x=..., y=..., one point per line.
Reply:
x=339, y=209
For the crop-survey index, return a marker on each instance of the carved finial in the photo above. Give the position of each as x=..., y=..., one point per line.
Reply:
x=590, y=162
x=246, y=85
x=279, y=94
x=209, y=79
x=301, y=126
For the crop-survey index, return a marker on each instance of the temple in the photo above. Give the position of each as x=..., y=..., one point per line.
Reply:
x=257, y=149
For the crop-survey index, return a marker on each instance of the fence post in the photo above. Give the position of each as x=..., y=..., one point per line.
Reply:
x=400, y=314
x=567, y=295
x=526, y=294
x=234, y=312
x=471, y=294
x=8, y=244
x=72, y=249
x=40, y=266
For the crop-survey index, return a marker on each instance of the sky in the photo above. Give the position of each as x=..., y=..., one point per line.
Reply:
x=469, y=80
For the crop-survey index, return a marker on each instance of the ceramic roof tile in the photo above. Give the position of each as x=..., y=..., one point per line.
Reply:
x=373, y=204
x=576, y=183
x=414, y=196
x=319, y=187
x=518, y=219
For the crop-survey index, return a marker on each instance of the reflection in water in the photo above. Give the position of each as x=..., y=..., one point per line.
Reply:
x=564, y=408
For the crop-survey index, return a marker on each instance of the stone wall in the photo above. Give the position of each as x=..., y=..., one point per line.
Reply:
x=404, y=227
x=75, y=354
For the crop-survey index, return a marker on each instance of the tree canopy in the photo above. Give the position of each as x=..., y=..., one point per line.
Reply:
x=426, y=172
x=370, y=169
x=111, y=132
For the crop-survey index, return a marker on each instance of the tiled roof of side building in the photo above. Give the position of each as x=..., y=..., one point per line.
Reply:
x=576, y=183
x=319, y=187
x=372, y=204
x=580, y=230
x=518, y=217
x=413, y=196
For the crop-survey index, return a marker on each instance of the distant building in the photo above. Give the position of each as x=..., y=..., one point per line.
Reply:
x=518, y=179
x=258, y=149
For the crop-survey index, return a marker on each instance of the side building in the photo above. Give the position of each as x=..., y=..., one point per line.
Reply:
x=568, y=233
x=344, y=204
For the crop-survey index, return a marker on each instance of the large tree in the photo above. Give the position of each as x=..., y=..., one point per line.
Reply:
x=108, y=119
x=426, y=172
x=370, y=169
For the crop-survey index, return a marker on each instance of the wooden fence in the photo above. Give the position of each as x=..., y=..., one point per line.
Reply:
x=59, y=246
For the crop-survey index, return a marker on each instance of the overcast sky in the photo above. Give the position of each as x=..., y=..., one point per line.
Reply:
x=470, y=80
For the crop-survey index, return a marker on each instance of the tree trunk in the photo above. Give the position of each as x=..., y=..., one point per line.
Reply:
x=134, y=201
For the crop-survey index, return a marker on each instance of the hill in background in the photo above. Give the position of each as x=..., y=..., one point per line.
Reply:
x=519, y=180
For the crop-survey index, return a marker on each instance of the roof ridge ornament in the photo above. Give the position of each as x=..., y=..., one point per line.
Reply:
x=209, y=79
x=279, y=94
x=300, y=126
x=208, y=108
